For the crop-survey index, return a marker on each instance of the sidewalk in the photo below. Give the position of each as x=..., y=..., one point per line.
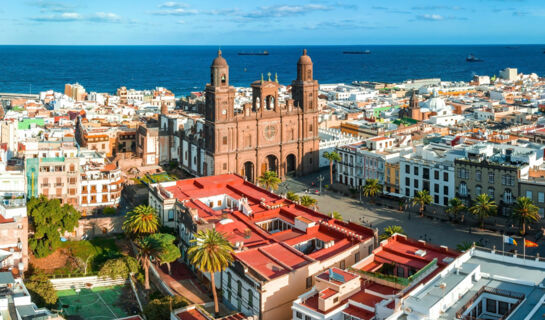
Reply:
x=183, y=284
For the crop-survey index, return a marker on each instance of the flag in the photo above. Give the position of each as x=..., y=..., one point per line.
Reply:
x=529, y=244
x=509, y=240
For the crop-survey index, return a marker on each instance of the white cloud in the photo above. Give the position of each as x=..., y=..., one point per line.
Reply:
x=105, y=17
x=430, y=17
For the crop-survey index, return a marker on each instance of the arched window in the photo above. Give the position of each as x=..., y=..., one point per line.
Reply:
x=463, y=189
x=491, y=192
x=223, y=79
x=478, y=190
x=508, y=196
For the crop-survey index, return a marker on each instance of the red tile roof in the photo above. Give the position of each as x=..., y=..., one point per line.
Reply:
x=266, y=253
x=191, y=314
x=4, y=220
x=359, y=312
x=328, y=292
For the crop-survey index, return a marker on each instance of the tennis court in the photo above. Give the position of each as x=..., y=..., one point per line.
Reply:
x=101, y=303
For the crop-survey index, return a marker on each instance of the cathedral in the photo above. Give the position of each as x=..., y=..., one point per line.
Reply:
x=265, y=135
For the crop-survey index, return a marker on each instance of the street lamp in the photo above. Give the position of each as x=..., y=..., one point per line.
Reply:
x=320, y=179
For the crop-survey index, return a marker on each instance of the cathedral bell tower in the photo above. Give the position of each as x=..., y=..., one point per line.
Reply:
x=220, y=104
x=304, y=88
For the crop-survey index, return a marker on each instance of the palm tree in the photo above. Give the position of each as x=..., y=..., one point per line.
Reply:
x=336, y=215
x=455, y=207
x=147, y=248
x=466, y=245
x=292, y=196
x=526, y=212
x=269, y=180
x=211, y=252
x=483, y=207
x=332, y=157
x=308, y=201
x=390, y=231
x=141, y=220
x=372, y=188
x=422, y=198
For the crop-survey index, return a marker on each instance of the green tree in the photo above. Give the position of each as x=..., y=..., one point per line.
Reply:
x=119, y=268
x=331, y=157
x=169, y=251
x=372, y=188
x=308, y=201
x=41, y=290
x=141, y=220
x=422, y=198
x=525, y=212
x=211, y=253
x=336, y=215
x=390, y=231
x=456, y=207
x=49, y=220
x=159, y=309
x=147, y=248
x=292, y=196
x=269, y=180
x=483, y=208
x=466, y=245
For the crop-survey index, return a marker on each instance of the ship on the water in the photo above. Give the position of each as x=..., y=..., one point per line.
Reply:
x=261, y=53
x=472, y=58
x=357, y=52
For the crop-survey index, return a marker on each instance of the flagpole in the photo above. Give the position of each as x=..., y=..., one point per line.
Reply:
x=524, y=249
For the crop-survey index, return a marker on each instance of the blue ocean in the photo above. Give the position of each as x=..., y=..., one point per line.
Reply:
x=183, y=69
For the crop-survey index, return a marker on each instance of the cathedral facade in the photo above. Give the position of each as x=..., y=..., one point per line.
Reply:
x=266, y=135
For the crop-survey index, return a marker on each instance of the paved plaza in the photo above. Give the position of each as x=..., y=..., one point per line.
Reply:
x=435, y=231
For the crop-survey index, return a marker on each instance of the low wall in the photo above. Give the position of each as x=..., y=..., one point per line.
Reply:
x=96, y=226
x=82, y=282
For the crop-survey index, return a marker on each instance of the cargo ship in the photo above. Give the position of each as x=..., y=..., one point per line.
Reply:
x=262, y=53
x=357, y=52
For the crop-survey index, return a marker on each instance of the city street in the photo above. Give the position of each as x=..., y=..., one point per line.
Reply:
x=435, y=231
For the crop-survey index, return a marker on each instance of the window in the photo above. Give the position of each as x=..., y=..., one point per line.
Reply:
x=436, y=199
x=298, y=315
x=415, y=184
x=541, y=197
x=491, y=177
x=426, y=186
x=478, y=190
x=171, y=215
x=357, y=257
x=408, y=182
x=309, y=282
x=407, y=192
x=435, y=188
x=491, y=305
x=224, y=140
x=342, y=265
x=229, y=280
x=478, y=175
x=336, y=300
x=307, y=318
x=250, y=299
x=436, y=175
x=407, y=168
x=415, y=171
x=491, y=193
x=508, y=196
x=239, y=288
x=400, y=272
x=529, y=194
x=445, y=190
x=224, y=166
x=445, y=176
x=463, y=173
x=463, y=189
x=426, y=173
x=503, y=307
x=507, y=180
x=445, y=201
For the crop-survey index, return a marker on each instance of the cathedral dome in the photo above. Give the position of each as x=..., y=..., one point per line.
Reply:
x=304, y=59
x=219, y=61
x=436, y=103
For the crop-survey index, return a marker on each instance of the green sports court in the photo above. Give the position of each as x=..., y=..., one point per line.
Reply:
x=101, y=303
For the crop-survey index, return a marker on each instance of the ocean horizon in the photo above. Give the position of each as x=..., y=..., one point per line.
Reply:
x=185, y=68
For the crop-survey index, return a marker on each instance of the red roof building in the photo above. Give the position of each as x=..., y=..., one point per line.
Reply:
x=279, y=245
x=374, y=286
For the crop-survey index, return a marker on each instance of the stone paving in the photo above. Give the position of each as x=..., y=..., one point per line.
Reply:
x=435, y=231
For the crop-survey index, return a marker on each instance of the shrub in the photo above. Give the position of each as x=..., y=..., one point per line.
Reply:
x=109, y=211
x=119, y=268
x=41, y=290
x=159, y=309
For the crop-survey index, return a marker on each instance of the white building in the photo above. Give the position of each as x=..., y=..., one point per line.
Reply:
x=330, y=139
x=429, y=168
x=509, y=74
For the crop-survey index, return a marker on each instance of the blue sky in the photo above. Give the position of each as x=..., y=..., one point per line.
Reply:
x=217, y=22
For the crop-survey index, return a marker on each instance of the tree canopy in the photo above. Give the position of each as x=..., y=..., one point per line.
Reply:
x=41, y=290
x=159, y=309
x=119, y=268
x=141, y=220
x=168, y=252
x=269, y=180
x=49, y=220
